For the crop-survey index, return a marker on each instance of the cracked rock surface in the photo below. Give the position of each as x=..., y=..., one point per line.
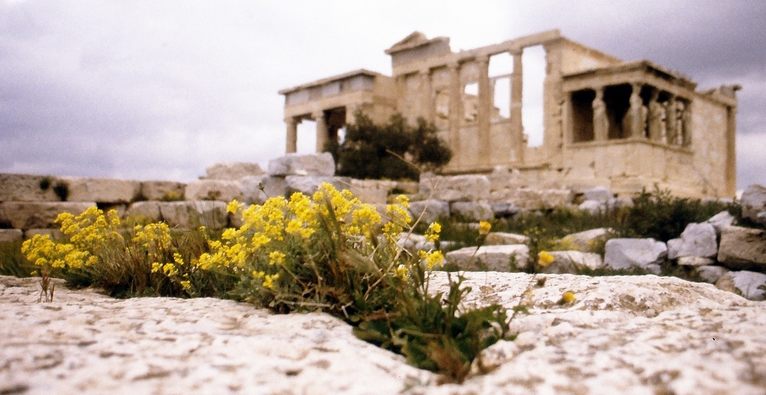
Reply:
x=622, y=334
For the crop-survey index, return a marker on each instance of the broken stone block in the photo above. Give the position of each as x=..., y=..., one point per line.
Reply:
x=622, y=254
x=303, y=165
x=221, y=190
x=592, y=206
x=256, y=189
x=431, y=210
x=232, y=171
x=694, y=261
x=28, y=215
x=148, y=210
x=27, y=188
x=371, y=191
x=721, y=220
x=167, y=191
x=586, y=241
x=504, y=238
x=552, y=198
x=102, y=190
x=750, y=285
x=743, y=248
x=754, y=203
x=499, y=258
x=696, y=240
x=11, y=235
x=472, y=211
x=599, y=194
x=709, y=273
x=455, y=188
x=307, y=185
x=573, y=262
x=192, y=214
x=504, y=209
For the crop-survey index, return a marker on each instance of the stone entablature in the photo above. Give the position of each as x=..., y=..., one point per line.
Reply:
x=592, y=102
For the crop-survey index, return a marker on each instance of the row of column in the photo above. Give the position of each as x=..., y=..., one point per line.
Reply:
x=456, y=105
x=322, y=135
x=667, y=121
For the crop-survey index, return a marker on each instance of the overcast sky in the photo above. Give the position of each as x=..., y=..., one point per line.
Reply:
x=163, y=89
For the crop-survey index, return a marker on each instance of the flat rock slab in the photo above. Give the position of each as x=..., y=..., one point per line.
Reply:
x=623, y=334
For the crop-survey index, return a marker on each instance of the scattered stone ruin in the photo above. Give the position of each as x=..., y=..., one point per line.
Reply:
x=625, y=125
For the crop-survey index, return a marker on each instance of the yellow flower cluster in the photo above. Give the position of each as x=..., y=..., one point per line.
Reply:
x=398, y=216
x=433, y=232
x=545, y=258
x=432, y=259
x=90, y=234
x=484, y=227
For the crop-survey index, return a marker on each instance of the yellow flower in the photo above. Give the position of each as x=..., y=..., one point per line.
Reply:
x=484, y=227
x=544, y=259
x=269, y=281
x=233, y=207
x=169, y=269
x=156, y=267
x=568, y=297
x=432, y=259
x=186, y=285
x=433, y=231
x=276, y=258
x=401, y=271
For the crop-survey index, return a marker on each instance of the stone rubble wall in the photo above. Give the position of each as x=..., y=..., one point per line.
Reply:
x=733, y=257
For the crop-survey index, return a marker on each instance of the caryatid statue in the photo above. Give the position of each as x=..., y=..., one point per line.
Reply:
x=656, y=118
x=600, y=120
x=637, y=116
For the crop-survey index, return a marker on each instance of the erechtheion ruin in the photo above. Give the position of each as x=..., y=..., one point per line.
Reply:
x=626, y=125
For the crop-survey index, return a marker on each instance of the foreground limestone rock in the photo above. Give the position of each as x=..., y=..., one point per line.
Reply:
x=501, y=258
x=28, y=215
x=431, y=210
x=256, y=189
x=625, y=334
x=472, y=211
x=303, y=165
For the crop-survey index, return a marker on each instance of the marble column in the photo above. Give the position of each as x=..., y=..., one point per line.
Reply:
x=517, y=126
x=321, y=129
x=426, y=98
x=455, y=112
x=600, y=120
x=484, y=111
x=291, y=139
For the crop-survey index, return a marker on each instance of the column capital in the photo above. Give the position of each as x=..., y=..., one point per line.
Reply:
x=454, y=65
x=318, y=115
x=424, y=71
x=516, y=51
x=482, y=60
x=291, y=121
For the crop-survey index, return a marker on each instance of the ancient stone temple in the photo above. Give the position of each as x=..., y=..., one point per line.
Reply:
x=626, y=125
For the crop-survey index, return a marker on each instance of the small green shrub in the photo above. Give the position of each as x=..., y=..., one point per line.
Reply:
x=662, y=216
x=61, y=189
x=376, y=151
x=12, y=262
x=45, y=183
